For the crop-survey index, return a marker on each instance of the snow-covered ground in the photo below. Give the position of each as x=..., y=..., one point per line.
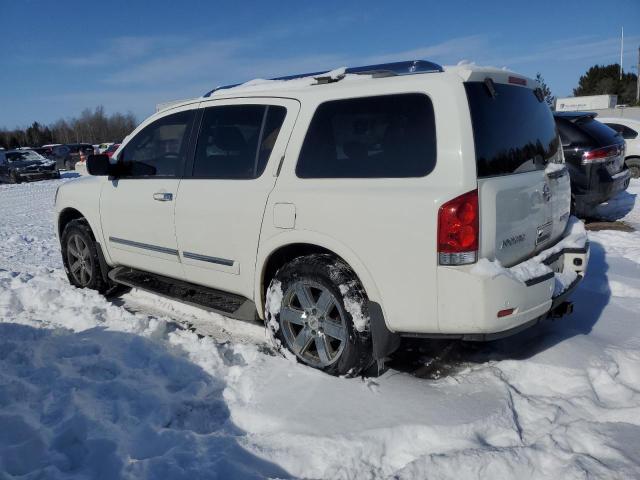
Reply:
x=96, y=388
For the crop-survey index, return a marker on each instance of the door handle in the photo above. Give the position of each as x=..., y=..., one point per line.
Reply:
x=163, y=196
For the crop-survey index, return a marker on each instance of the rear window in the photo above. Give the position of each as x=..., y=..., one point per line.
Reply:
x=595, y=132
x=513, y=131
x=390, y=136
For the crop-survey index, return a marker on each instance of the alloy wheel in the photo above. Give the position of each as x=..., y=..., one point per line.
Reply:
x=79, y=258
x=313, y=323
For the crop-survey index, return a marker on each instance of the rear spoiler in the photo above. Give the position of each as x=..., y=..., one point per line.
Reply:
x=575, y=116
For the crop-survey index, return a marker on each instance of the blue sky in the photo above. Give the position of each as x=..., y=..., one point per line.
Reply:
x=59, y=57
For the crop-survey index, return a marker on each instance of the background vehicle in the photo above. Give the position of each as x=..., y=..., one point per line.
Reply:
x=627, y=128
x=111, y=150
x=594, y=154
x=101, y=148
x=346, y=209
x=67, y=155
x=25, y=165
x=44, y=151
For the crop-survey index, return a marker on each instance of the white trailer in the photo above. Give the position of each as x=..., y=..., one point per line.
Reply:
x=588, y=102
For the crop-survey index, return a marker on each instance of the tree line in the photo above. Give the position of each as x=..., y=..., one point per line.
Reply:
x=606, y=80
x=91, y=126
x=600, y=80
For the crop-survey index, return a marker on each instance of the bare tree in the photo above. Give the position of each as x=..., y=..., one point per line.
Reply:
x=91, y=126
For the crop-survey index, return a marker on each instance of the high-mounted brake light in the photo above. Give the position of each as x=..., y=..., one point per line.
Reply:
x=601, y=155
x=459, y=230
x=517, y=81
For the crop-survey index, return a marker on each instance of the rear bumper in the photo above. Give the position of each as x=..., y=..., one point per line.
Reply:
x=469, y=302
x=602, y=190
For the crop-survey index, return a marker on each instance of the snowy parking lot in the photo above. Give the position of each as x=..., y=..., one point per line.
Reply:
x=138, y=386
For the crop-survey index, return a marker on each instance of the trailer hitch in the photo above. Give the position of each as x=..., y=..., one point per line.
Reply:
x=565, y=308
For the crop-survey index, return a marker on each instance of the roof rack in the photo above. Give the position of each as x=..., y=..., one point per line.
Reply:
x=409, y=67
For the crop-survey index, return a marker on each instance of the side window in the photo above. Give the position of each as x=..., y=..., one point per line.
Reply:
x=159, y=149
x=391, y=136
x=235, y=141
x=617, y=127
x=628, y=133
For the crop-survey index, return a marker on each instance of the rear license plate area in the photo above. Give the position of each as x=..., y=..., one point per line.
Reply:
x=556, y=264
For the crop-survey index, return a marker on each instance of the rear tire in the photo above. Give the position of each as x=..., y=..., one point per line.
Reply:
x=633, y=164
x=320, y=295
x=80, y=257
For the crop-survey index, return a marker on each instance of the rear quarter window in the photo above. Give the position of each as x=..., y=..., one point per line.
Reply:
x=390, y=136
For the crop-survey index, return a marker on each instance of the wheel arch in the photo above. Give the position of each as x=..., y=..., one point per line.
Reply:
x=65, y=216
x=285, y=247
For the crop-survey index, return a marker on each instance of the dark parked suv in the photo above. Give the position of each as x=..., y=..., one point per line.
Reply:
x=66, y=156
x=594, y=154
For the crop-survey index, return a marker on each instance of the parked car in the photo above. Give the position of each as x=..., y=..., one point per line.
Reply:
x=101, y=148
x=25, y=165
x=594, y=154
x=66, y=156
x=628, y=129
x=111, y=150
x=346, y=209
x=46, y=152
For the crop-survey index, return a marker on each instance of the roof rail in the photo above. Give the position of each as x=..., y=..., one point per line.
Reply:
x=379, y=70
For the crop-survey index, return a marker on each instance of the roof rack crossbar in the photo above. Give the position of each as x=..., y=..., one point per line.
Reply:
x=379, y=70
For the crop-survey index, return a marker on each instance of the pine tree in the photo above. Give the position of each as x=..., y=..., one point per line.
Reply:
x=546, y=91
x=605, y=80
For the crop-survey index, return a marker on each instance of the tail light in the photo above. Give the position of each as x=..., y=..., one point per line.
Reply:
x=601, y=155
x=459, y=230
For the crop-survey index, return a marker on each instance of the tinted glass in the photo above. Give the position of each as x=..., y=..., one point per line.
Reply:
x=159, y=149
x=390, y=136
x=514, y=132
x=571, y=134
x=235, y=141
x=626, y=132
x=586, y=132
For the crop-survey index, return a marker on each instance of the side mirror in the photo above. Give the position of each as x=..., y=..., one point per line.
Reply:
x=100, y=165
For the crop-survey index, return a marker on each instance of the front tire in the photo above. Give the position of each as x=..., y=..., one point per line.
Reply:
x=323, y=315
x=80, y=257
x=14, y=177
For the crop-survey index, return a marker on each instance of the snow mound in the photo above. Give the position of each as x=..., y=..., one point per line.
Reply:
x=576, y=237
x=103, y=404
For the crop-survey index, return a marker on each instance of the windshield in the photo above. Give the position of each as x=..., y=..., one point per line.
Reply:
x=23, y=155
x=514, y=132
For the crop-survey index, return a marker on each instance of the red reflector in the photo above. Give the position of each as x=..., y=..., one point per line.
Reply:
x=506, y=312
x=458, y=226
x=518, y=81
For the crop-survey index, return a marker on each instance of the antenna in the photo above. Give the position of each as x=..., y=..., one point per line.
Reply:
x=621, y=50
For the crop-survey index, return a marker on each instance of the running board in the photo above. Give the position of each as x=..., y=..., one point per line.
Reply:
x=224, y=303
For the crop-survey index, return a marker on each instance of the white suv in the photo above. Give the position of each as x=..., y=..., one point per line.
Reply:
x=628, y=128
x=347, y=209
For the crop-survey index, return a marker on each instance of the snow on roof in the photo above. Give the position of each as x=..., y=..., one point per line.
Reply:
x=261, y=84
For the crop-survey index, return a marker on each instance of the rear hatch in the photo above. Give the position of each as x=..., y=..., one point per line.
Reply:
x=523, y=185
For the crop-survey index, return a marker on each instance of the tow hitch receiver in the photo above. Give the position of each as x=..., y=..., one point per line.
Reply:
x=565, y=308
